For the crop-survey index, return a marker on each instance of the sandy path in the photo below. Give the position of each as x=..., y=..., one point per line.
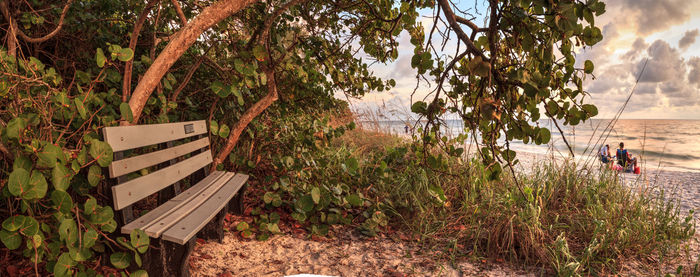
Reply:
x=345, y=255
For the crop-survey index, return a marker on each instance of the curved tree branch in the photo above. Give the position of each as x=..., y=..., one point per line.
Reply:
x=247, y=117
x=46, y=37
x=451, y=18
x=182, y=40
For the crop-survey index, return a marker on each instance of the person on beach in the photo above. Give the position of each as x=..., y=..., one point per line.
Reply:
x=405, y=128
x=624, y=159
x=621, y=155
x=605, y=154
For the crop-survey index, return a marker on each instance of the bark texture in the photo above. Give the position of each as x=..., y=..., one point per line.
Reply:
x=126, y=82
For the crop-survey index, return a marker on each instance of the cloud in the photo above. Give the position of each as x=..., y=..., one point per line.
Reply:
x=688, y=39
x=637, y=47
x=664, y=64
x=651, y=16
x=694, y=74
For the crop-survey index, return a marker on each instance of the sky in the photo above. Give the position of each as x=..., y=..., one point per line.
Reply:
x=664, y=32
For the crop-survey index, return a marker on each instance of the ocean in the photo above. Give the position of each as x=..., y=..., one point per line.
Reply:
x=665, y=144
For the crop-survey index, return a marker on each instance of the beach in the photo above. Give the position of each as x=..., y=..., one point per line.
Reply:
x=347, y=253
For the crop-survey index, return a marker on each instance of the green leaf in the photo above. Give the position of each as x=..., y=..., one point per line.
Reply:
x=306, y=203
x=268, y=197
x=273, y=227
x=18, y=182
x=12, y=240
x=139, y=273
x=63, y=266
x=49, y=154
x=120, y=260
x=101, y=151
x=68, y=231
x=219, y=89
x=259, y=52
x=102, y=215
x=590, y=109
x=125, y=54
x=588, y=67
x=139, y=240
x=354, y=200
x=94, y=175
x=61, y=177
x=315, y=195
x=419, y=107
x=125, y=111
x=100, y=58
x=62, y=201
x=544, y=135
x=214, y=127
x=22, y=162
x=15, y=127
x=30, y=227
x=224, y=131
x=79, y=254
x=81, y=108
x=90, y=205
x=13, y=223
x=242, y=226
x=90, y=237
x=37, y=187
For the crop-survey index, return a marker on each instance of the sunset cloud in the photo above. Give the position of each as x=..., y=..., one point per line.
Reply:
x=688, y=39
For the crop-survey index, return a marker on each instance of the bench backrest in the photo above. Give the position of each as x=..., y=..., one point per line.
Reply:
x=123, y=138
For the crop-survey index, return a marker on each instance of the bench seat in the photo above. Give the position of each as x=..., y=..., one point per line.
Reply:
x=179, y=219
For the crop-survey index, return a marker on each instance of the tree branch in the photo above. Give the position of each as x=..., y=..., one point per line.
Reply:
x=247, y=117
x=450, y=16
x=46, y=37
x=179, y=12
x=126, y=82
x=182, y=40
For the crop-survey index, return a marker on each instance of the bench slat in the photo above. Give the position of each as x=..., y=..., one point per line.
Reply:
x=134, y=190
x=122, y=138
x=125, y=166
x=174, y=203
x=157, y=227
x=187, y=227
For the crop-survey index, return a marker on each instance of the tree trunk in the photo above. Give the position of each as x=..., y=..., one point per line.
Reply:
x=181, y=41
x=247, y=117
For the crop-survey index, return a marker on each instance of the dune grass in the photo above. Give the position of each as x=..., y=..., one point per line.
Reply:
x=567, y=220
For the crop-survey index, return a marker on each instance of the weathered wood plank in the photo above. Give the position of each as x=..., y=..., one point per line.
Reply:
x=122, y=138
x=134, y=190
x=157, y=227
x=165, y=208
x=188, y=227
x=128, y=165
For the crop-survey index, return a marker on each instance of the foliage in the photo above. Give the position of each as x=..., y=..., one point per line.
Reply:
x=509, y=72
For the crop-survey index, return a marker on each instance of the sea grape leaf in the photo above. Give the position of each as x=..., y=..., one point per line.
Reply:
x=18, y=182
x=15, y=127
x=102, y=152
x=49, y=154
x=354, y=200
x=94, y=175
x=63, y=266
x=12, y=240
x=30, y=227
x=81, y=107
x=125, y=111
x=224, y=131
x=588, y=66
x=100, y=58
x=61, y=177
x=62, y=201
x=139, y=240
x=37, y=186
x=13, y=223
x=120, y=260
x=315, y=195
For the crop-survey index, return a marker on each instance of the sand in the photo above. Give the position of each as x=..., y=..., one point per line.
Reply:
x=346, y=253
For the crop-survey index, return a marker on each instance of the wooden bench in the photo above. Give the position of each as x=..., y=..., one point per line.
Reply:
x=178, y=150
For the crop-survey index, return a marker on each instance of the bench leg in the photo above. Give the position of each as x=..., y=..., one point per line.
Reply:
x=214, y=230
x=236, y=204
x=168, y=258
